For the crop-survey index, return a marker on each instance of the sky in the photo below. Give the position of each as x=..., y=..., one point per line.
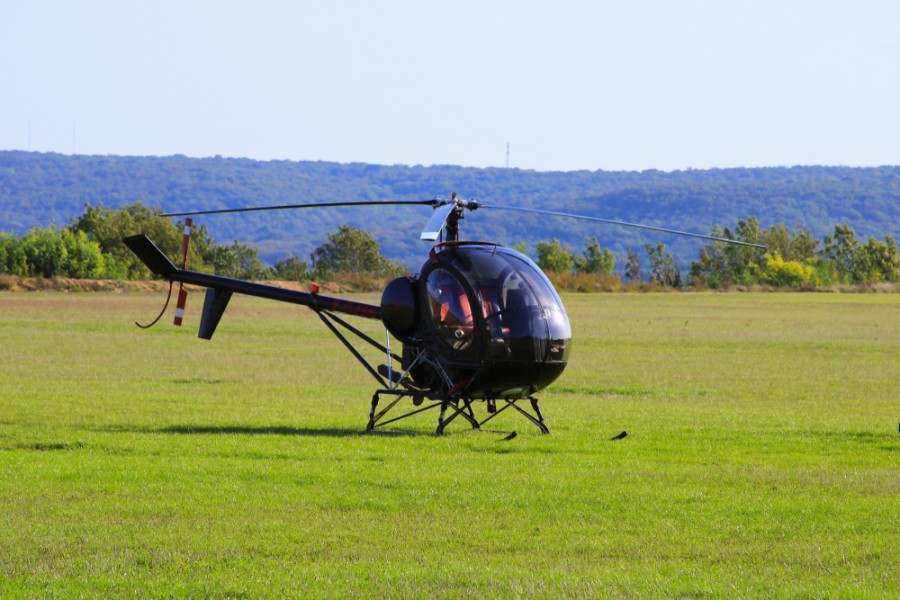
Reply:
x=557, y=85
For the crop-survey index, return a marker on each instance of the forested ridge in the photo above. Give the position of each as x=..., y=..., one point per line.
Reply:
x=40, y=189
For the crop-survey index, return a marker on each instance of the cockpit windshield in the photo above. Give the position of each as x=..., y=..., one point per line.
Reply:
x=523, y=314
x=451, y=310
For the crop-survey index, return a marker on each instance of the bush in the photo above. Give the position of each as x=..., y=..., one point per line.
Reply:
x=781, y=273
x=84, y=260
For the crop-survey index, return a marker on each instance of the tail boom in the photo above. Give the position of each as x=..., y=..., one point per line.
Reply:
x=273, y=292
x=154, y=258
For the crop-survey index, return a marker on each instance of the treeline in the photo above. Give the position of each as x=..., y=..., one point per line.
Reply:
x=787, y=260
x=795, y=259
x=91, y=247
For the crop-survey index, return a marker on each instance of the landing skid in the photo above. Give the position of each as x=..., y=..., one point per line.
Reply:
x=457, y=407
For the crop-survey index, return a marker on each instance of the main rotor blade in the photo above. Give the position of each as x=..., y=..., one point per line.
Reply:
x=623, y=223
x=308, y=205
x=437, y=221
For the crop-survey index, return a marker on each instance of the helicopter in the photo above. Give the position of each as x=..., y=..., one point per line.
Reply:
x=479, y=322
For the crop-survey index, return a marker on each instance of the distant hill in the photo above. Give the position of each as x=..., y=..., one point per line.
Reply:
x=37, y=189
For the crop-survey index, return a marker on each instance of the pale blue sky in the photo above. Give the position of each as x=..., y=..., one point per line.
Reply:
x=568, y=84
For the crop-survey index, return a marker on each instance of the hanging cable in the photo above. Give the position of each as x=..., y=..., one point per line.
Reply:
x=165, y=306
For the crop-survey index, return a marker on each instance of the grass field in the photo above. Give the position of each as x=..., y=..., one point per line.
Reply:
x=762, y=457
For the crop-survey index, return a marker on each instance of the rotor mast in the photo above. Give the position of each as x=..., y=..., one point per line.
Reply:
x=452, y=227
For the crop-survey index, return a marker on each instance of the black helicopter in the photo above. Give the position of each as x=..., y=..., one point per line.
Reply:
x=480, y=322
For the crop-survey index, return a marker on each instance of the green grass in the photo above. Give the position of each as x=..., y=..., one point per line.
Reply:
x=762, y=457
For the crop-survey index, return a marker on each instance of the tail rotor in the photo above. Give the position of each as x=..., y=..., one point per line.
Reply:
x=182, y=292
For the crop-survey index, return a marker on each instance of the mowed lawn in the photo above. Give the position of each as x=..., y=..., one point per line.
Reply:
x=762, y=457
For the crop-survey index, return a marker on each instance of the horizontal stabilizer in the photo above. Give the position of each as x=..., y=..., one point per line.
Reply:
x=150, y=254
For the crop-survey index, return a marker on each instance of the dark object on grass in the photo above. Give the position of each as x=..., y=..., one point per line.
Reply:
x=621, y=436
x=510, y=436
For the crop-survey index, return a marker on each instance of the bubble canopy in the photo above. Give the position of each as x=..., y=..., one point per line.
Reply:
x=496, y=300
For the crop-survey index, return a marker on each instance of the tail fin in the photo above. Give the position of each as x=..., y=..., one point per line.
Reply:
x=152, y=256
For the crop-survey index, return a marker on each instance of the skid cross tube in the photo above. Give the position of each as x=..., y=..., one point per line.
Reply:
x=498, y=411
x=465, y=412
x=436, y=400
x=375, y=418
x=458, y=406
x=537, y=418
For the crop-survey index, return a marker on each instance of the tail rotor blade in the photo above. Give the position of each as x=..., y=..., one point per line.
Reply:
x=185, y=241
x=183, y=293
x=179, y=306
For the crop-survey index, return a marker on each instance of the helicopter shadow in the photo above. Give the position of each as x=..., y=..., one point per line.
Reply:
x=333, y=432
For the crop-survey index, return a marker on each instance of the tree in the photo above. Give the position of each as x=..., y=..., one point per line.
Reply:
x=799, y=246
x=107, y=227
x=12, y=257
x=711, y=268
x=84, y=260
x=45, y=253
x=853, y=262
x=351, y=250
x=51, y=252
x=804, y=246
x=739, y=257
x=291, y=269
x=663, y=268
x=877, y=261
x=595, y=259
x=239, y=261
x=633, y=266
x=841, y=249
x=552, y=256
x=721, y=264
x=521, y=248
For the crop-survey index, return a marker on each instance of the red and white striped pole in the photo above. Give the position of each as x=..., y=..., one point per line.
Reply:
x=182, y=293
